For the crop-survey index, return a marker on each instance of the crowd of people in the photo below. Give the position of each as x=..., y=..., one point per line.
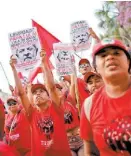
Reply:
x=52, y=119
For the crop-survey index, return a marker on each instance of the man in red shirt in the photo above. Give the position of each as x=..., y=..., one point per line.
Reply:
x=5, y=150
x=106, y=117
x=84, y=67
x=17, y=131
x=93, y=81
x=46, y=118
x=2, y=119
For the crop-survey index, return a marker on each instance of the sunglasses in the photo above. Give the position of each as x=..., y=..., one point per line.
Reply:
x=11, y=103
x=84, y=65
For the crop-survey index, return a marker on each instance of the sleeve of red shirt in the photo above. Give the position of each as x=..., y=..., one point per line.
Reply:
x=85, y=127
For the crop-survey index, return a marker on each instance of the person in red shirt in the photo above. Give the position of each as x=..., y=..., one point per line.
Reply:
x=45, y=117
x=70, y=118
x=93, y=81
x=5, y=150
x=84, y=67
x=2, y=119
x=106, y=117
x=17, y=131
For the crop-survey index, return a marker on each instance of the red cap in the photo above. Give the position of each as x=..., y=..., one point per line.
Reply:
x=108, y=43
x=87, y=75
x=12, y=98
x=36, y=86
x=83, y=60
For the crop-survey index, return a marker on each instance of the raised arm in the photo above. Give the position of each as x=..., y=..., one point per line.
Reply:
x=21, y=91
x=49, y=80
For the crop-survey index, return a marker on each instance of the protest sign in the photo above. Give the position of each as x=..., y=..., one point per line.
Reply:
x=25, y=46
x=64, y=58
x=80, y=36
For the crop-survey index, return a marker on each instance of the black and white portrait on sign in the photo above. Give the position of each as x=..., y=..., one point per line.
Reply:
x=26, y=54
x=81, y=38
x=25, y=46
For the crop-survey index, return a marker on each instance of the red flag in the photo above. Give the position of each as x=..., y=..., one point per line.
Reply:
x=33, y=74
x=46, y=38
x=20, y=75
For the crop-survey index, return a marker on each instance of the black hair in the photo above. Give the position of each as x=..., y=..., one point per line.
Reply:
x=101, y=51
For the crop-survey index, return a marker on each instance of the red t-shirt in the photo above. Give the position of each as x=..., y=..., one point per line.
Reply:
x=20, y=136
x=48, y=131
x=83, y=92
x=70, y=116
x=2, y=119
x=5, y=150
x=107, y=120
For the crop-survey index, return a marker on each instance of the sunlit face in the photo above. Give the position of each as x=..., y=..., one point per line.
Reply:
x=94, y=83
x=84, y=68
x=27, y=54
x=13, y=106
x=40, y=97
x=112, y=62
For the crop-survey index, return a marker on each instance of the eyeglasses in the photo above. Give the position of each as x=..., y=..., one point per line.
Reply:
x=84, y=65
x=11, y=103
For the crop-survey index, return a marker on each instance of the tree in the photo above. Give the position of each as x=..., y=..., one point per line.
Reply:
x=115, y=20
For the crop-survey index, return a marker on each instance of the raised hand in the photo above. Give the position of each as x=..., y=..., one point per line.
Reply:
x=13, y=61
x=43, y=55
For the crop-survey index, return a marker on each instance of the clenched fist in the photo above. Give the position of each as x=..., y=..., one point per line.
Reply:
x=13, y=61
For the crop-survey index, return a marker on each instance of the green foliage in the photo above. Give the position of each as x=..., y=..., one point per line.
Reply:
x=109, y=24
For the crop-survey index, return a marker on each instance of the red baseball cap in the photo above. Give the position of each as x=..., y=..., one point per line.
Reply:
x=36, y=86
x=83, y=60
x=12, y=98
x=105, y=43
x=87, y=75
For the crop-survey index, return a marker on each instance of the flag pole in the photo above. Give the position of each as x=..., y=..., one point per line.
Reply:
x=4, y=73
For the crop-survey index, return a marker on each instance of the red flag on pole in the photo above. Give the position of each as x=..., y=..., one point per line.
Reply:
x=46, y=40
x=33, y=74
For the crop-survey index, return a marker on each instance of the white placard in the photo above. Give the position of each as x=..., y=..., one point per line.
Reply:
x=25, y=46
x=80, y=36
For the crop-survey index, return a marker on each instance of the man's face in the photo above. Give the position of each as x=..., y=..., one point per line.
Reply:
x=112, y=62
x=40, y=96
x=94, y=83
x=13, y=105
x=84, y=68
x=27, y=54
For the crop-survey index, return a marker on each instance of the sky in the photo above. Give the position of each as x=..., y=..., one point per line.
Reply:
x=54, y=15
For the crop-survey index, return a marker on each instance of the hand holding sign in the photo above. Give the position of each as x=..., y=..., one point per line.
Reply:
x=13, y=61
x=43, y=55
